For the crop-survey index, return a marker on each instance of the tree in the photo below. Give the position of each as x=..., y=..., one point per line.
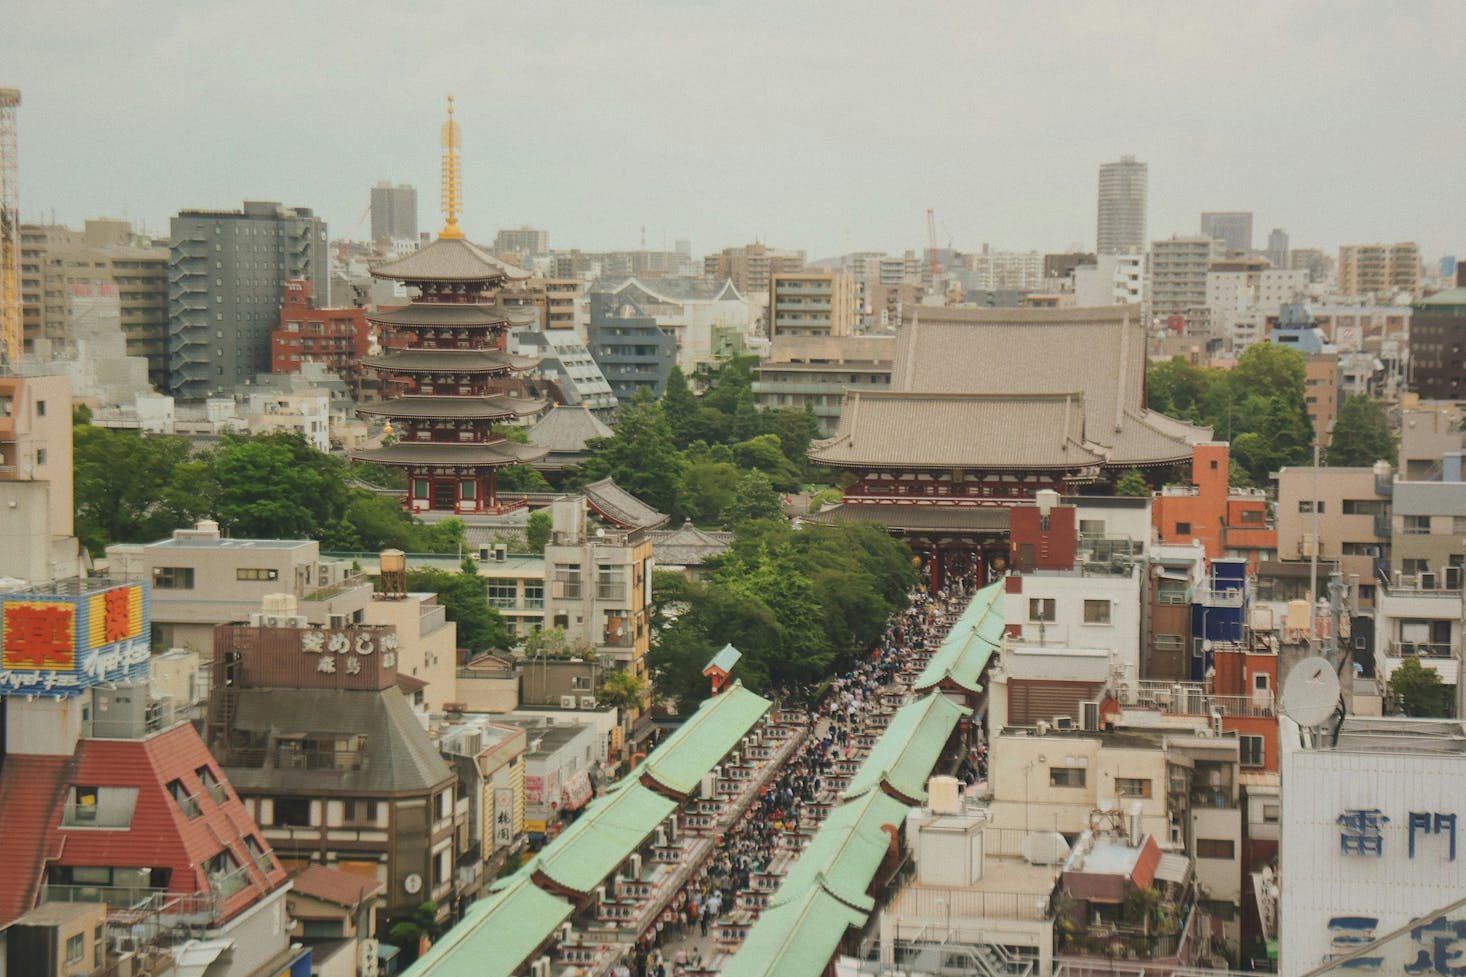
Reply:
x=754, y=498
x=624, y=690
x=764, y=453
x=537, y=529
x=276, y=486
x=411, y=932
x=640, y=456
x=464, y=595
x=1131, y=483
x=707, y=490
x=517, y=478
x=796, y=429
x=1419, y=691
x=1362, y=434
x=556, y=642
x=124, y=487
x=680, y=407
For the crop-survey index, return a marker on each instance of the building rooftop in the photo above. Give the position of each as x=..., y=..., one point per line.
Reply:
x=1390, y=734
x=450, y=260
x=619, y=506
x=335, y=886
x=565, y=430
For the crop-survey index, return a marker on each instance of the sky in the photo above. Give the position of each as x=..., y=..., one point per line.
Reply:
x=826, y=126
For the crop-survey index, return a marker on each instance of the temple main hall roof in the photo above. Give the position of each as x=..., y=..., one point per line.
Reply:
x=450, y=260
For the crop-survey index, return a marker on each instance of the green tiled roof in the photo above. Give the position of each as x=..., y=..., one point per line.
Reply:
x=846, y=851
x=497, y=933
x=611, y=828
x=698, y=744
x=797, y=939
x=908, y=750
x=964, y=653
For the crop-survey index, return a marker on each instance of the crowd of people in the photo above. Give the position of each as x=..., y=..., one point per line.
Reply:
x=749, y=847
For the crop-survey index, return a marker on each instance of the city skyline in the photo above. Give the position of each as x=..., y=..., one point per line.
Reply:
x=725, y=125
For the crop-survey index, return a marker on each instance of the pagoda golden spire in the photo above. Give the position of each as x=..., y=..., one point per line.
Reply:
x=452, y=177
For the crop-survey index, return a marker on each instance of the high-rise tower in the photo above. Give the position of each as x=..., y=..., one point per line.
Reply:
x=1122, y=191
x=10, y=315
x=450, y=366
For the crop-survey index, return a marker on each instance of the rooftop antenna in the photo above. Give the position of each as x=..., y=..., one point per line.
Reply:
x=452, y=178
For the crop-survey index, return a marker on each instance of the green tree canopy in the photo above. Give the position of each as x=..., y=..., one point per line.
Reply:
x=537, y=529
x=1418, y=690
x=465, y=597
x=1362, y=434
x=640, y=455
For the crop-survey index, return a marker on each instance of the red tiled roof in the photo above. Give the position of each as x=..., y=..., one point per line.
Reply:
x=162, y=835
x=1145, y=863
x=335, y=886
x=32, y=789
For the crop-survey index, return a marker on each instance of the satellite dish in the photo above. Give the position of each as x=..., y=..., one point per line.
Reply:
x=1311, y=692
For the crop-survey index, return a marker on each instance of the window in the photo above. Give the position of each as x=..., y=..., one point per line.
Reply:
x=1091, y=527
x=40, y=456
x=567, y=575
x=292, y=812
x=1251, y=515
x=1272, y=813
x=1416, y=526
x=172, y=578
x=1260, y=681
x=1132, y=787
x=1306, y=505
x=187, y=802
x=534, y=593
x=503, y=593
x=211, y=784
x=40, y=408
x=1251, y=751
x=1067, y=776
x=1096, y=612
x=1041, y=609
x=1358, y=549
x=610, y=582
x=1183, y=529
x=359, y=812
x=1365, y=507
x=1215, y=848
x=256, y=573
x=74, y=947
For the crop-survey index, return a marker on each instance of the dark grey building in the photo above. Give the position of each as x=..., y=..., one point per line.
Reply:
x=1123, y=187
x=394, y=211
x=627, y=344
x=1277, y=248
x=1232, y=227
x=226, y=275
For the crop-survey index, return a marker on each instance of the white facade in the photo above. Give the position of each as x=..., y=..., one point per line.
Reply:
x=1073, y=611
x=306, y=414
x=1348, y=874
x=1114, y=279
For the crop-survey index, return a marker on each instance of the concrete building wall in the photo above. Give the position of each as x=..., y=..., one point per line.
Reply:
x=1342, y=535
x=426, y=643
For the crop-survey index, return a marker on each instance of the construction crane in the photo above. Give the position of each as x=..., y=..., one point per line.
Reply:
x=931, y=241
x=11, y=328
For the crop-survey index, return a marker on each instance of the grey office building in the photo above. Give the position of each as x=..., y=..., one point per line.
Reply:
x=394, y=212
x=226, y=275
x=1122, y=195
x=1232, y=227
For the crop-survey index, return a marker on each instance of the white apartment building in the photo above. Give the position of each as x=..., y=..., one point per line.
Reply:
x=1114, y=279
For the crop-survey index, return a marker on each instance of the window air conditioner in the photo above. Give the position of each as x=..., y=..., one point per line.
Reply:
x=587, y=702
x=567, y=702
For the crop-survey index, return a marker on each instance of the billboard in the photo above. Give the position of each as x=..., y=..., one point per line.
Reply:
x=62, y=639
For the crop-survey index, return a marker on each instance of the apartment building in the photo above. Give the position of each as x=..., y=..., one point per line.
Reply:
x=1178, y=270
x=1436, y=339
x=1380, y=270
x=815, y=372
x=1352, y=520
x=1122, y=202
x=812, y=303
x=750, y=266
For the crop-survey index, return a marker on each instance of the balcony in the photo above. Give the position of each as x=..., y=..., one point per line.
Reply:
x=1418, y=649
x=96, y=816
x=228, y=884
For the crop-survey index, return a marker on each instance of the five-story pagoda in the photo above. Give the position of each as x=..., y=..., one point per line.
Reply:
x=449, y=365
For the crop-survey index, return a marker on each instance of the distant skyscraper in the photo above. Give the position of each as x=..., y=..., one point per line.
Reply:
x=1122, y=193
x=228, y=270
x=1277, y=248
x=1232, y=227
x=394, y=212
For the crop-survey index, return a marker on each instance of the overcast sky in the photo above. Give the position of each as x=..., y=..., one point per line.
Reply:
x=828, y=126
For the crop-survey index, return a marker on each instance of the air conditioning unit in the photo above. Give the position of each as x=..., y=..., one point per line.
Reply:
x=336, y=620
x=661, y=837
x=541, y=968
x=272, y=620
x=1063, y=722
x=567, y=702
x=1305, y=544
x=587, y=702
x=1089, y=714
x=483, y=554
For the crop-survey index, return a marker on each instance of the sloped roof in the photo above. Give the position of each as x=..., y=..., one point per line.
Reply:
x=565, y=430
x=619, y=506
x=449, y=260
x=409, y=453
x=32, y=790
x=920, y=518
x=1445, y=297
x=444, y=315
x=450, y=361
x=497, y=934
x=399, y=754
x=688, y=546
x=846, y=851
x=905, y=755
x=725, y=660
x=708, y=735
x=462, y=408
x=797, y=939
x=608, y=831
x=946, y=430
x=677, y=289
x=334, y=886
x=970, y=643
